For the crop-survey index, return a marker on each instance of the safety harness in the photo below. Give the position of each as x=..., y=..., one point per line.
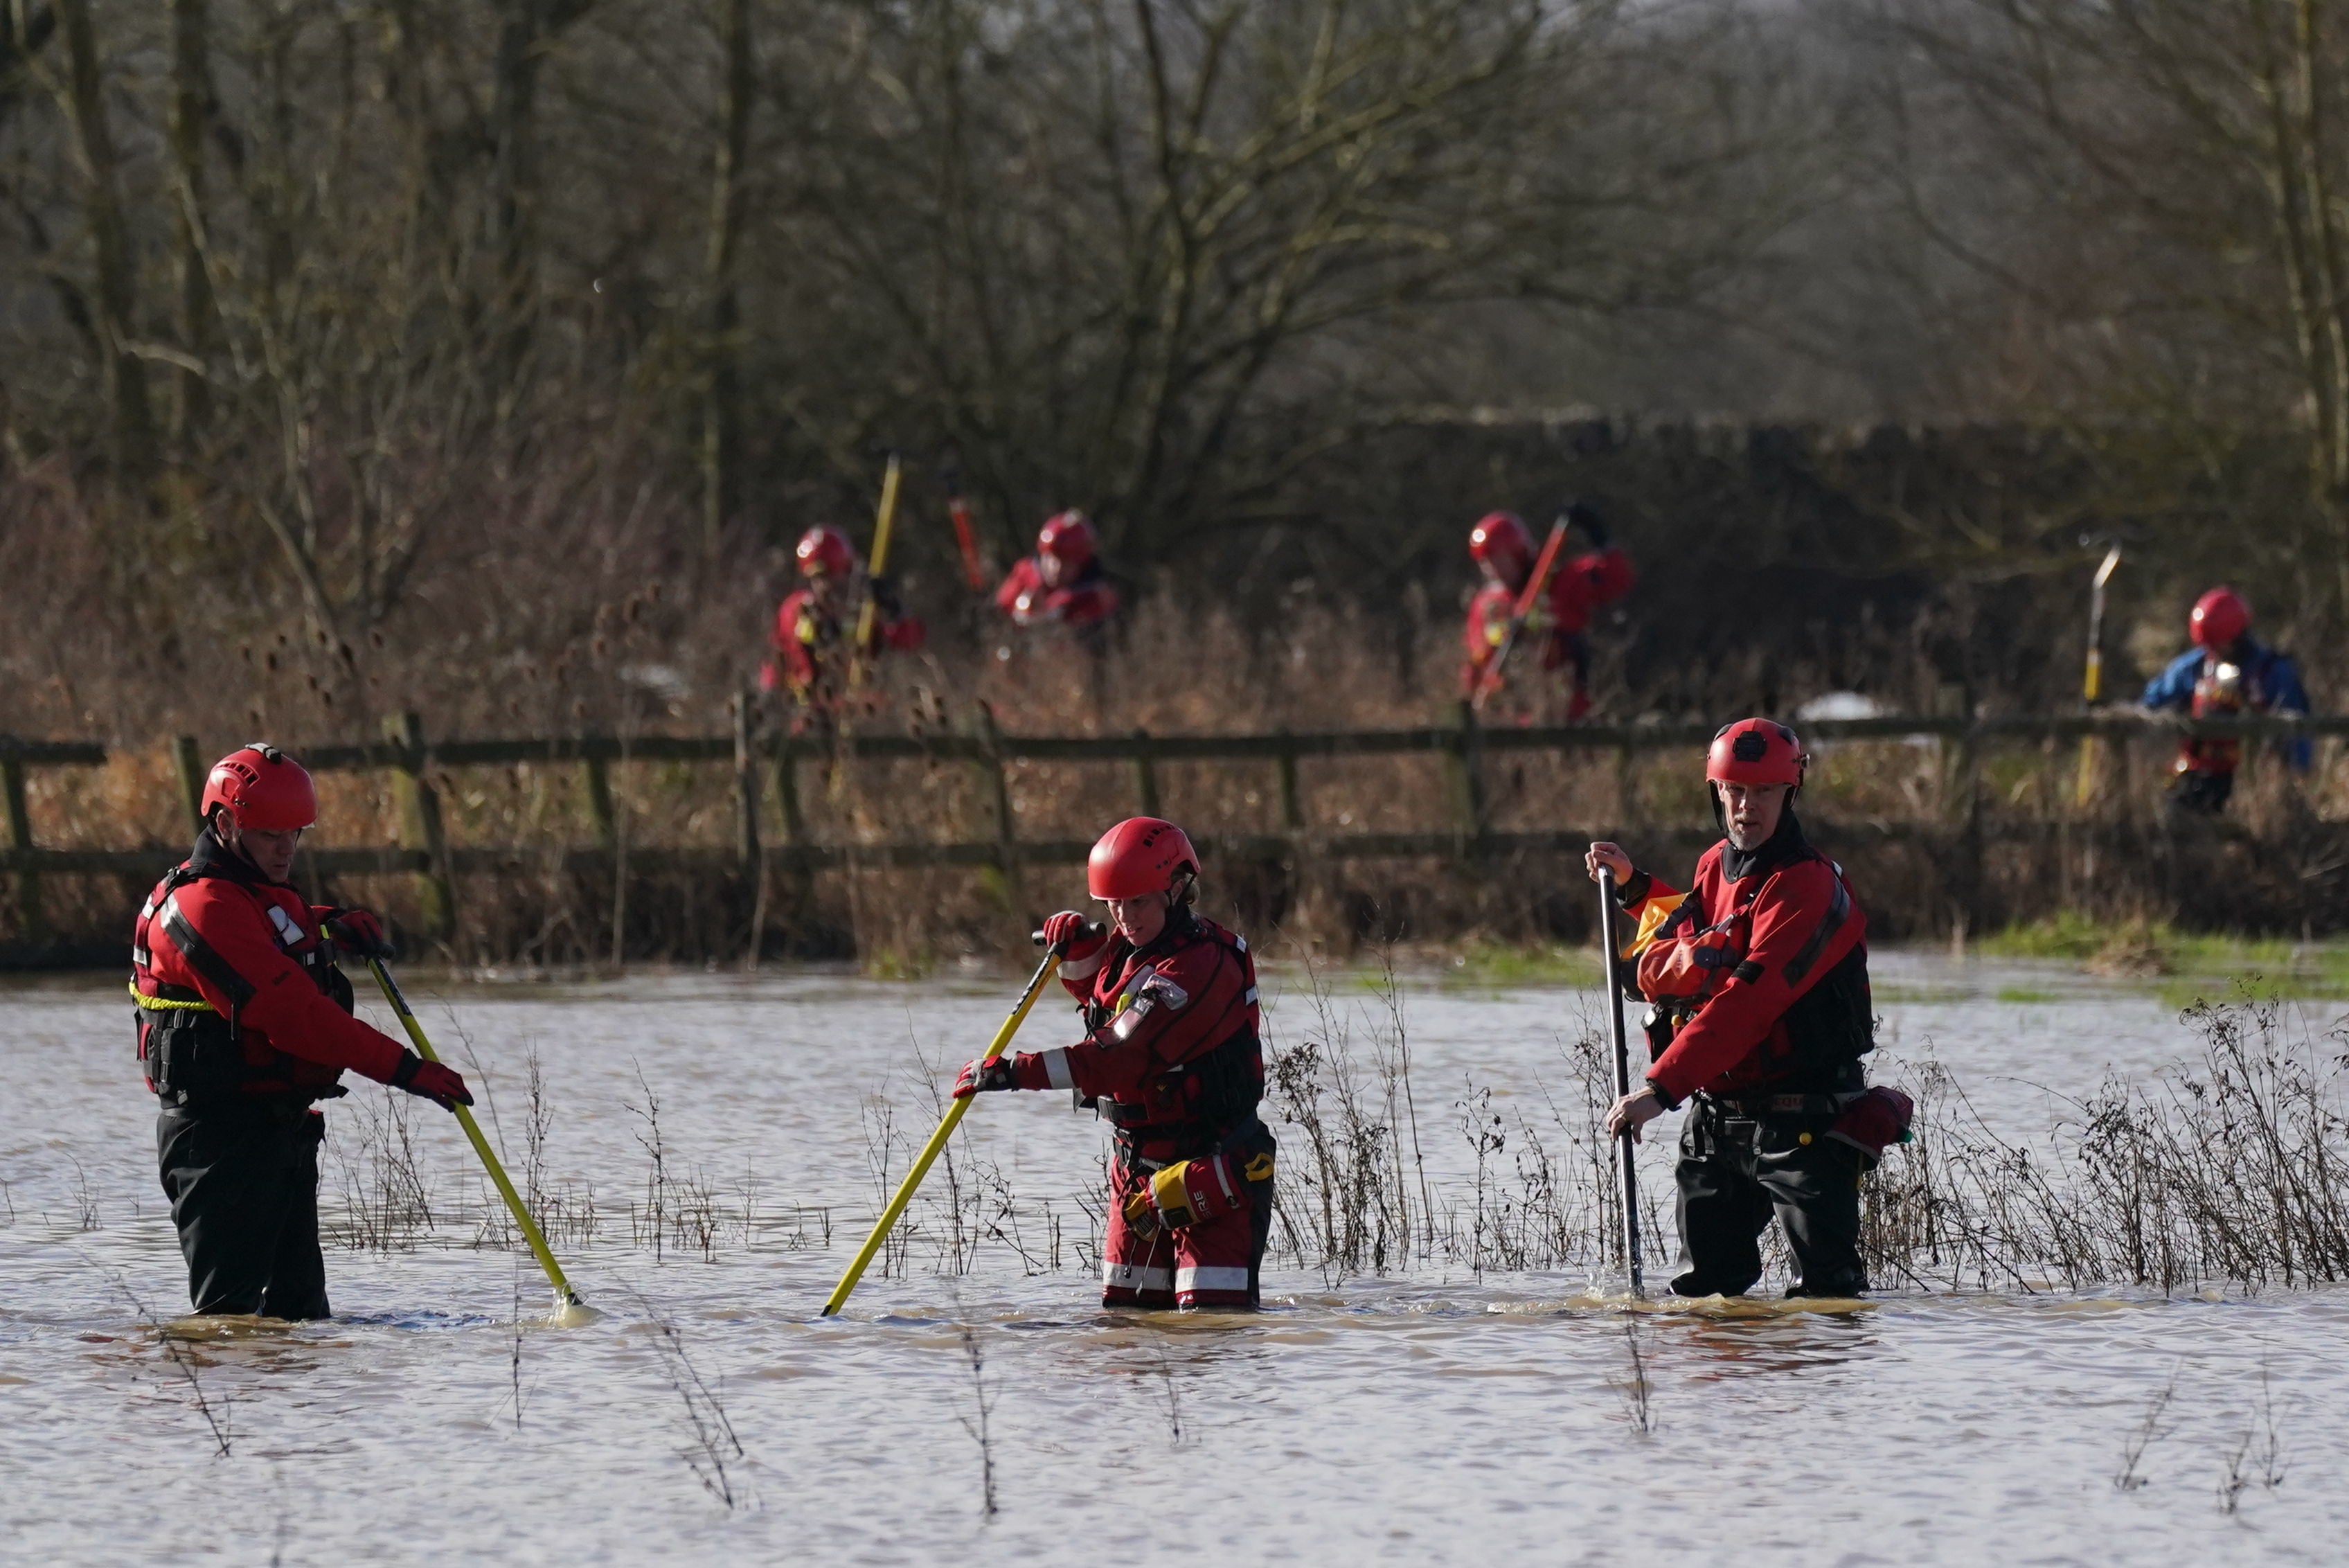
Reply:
x=187, y=1048
x=1216, y=1092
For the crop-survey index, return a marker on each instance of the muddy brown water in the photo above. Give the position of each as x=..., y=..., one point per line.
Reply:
x=1441, y=1414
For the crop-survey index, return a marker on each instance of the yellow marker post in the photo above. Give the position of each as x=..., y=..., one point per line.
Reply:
x=937, y=1146
x=568, y=1298
x=875, y=564
x=2092, y=683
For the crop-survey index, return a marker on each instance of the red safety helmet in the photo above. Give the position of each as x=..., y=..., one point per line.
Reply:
x=1069, y=535
x=269, y=791
x=1757, y=752
x=2219, y=618
x=825, y=550
x=1140, y=855
x=1501, y=537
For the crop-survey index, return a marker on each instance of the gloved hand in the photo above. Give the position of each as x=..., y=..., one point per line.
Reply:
x=442, y=1085
x=1077, y=938
x=358, y=933
x=991, y=1073
x=1141, y=1214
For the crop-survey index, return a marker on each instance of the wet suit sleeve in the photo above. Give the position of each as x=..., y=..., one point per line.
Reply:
x=1788, y=956
x=2285, y=694
x=245, y=975
x=1488, y=613
x=2173, y=686
x=1586, y=581
x=1645, y=898
x=1021, y=578
x=794, y=633
x=1187, y=1008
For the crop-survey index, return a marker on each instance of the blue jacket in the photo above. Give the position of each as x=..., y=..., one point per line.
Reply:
x=2271, y=678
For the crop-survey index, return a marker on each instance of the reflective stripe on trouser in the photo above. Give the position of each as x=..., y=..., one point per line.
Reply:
x=1213, y=1264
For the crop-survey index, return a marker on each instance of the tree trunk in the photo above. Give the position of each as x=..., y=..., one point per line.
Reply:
x=721, y=418
x=122, y=374
x=190, y=119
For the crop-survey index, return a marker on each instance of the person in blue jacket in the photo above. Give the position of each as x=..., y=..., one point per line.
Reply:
x=2227, y=670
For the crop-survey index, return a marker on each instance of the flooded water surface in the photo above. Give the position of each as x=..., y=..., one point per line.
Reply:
x=709, y=1150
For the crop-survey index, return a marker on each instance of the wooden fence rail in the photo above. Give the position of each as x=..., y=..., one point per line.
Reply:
x=412, y=758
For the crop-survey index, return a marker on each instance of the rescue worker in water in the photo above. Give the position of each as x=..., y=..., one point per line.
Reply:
x=1760, y=1013
x=1170, y=1059
x=244, y=1023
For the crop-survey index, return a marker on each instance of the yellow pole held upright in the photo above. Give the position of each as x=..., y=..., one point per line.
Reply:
x=2091, y=681
x=875, y=564
x=531, y=1232
x=937, y=1146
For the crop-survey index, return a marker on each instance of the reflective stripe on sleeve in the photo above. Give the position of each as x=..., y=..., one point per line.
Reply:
x=1137, y=1277
x=1056, y=1067
x=1204, y=1279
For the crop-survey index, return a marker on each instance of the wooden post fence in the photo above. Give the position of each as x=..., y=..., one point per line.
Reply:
x=1960, y=833
x=421, y=826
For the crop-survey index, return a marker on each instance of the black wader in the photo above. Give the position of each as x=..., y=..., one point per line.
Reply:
x=243, y=1178
x=1735, y=1172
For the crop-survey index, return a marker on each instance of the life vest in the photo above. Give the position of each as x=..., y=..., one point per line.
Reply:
x=187, y=1048
x=2220, y=693
x=1820, y=1040
x=1683, y=964
x=1206, y=1096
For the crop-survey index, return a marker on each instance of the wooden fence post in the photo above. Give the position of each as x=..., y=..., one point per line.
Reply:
x=30, y=919
x=1964, y=804
x=1468, y=771
x=190, y=763
x=599, y=804
x=1145, y=775
x=1292, y=801
x=787, y=792
x=746, y=781
x=1007, y=835
x=421, y=826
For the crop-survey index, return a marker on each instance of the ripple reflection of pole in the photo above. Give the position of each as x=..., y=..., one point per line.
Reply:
x=1627, y=1175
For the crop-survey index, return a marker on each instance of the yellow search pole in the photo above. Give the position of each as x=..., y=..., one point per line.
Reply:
x=2092, y=683
x=937, y=1146
x=531, y=1232
x=875, y=564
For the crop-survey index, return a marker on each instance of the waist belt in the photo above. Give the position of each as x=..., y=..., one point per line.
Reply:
x=171, y=998
x=1758, y=1107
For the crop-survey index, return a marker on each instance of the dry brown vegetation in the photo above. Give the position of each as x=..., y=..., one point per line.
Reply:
x=479, y=357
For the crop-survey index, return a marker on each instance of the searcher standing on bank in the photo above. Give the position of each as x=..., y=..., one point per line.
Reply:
x=244, y=1024
x=1170, y=1059
x=1759, y=1015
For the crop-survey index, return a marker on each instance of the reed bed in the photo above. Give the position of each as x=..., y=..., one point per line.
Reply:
x=2230, y=1169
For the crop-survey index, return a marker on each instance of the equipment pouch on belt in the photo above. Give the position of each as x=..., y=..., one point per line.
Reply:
x=192, y=1052
x=1874, y=1120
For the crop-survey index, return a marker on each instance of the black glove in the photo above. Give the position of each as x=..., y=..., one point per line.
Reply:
x=1582, y=515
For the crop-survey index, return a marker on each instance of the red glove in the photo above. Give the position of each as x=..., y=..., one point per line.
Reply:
x=432, y=1080
x=358, y=933
x=1024, y=1070
x=990, y=1072
x=1079, y=941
